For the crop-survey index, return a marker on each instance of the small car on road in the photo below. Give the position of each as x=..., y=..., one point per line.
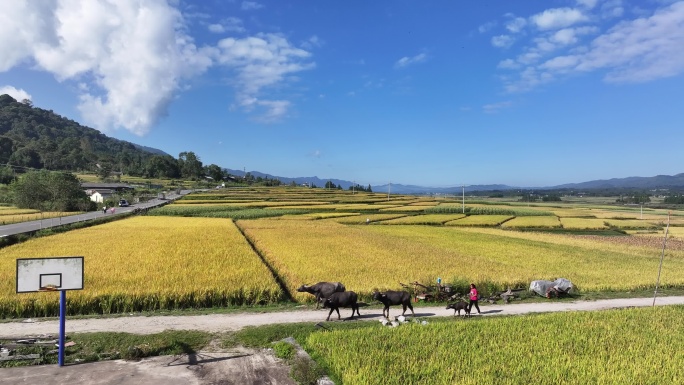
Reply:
x=123, y=203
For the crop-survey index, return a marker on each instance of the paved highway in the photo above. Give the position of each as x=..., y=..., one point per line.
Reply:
x=27, y=227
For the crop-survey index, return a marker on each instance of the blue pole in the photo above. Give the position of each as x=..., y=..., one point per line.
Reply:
x=62, y=322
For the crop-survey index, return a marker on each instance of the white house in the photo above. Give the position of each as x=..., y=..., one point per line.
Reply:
x=99, y=195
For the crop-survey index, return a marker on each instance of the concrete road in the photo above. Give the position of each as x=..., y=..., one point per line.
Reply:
x=31, y=226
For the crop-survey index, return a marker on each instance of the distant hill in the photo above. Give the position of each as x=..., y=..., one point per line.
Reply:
x=151, y=150
x=653, y=182
x=656, y=182
x=32, y=137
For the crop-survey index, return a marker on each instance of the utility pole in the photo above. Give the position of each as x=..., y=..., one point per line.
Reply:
x=389, y=187
x=463, y=199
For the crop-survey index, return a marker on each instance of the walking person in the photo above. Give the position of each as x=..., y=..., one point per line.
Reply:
x=473, y=299
x=104, y=209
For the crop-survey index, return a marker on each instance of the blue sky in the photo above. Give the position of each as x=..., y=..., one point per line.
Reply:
x=440, y=93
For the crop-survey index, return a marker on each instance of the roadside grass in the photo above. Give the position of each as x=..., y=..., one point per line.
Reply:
x=91, y=347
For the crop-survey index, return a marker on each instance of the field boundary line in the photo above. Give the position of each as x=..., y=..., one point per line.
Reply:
x=274, y=273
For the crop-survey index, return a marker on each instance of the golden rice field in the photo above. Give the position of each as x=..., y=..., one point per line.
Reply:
x=429, y=219
x=480, y=220
x=6, y=219
x=250, y=204
x=146, y=263
x=549, y=222
x=672, y=232
x=194, y=202
x=405, y=208
x=630, y=346
x=382, y=256
x=583, y=223
x=363, y=207
x=573, y=213
x=370, y=218
x=632, y=224
x=10, y=210
x=314, y=216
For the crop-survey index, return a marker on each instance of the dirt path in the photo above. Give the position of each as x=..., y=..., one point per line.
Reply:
x=231, y=322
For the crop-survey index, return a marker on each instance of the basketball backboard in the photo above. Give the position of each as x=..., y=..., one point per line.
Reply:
x=49, y=274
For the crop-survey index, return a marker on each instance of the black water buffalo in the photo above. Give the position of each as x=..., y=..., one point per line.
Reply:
x=390, y=298
x=458, y=306
x=342, y=299
x=322, y=290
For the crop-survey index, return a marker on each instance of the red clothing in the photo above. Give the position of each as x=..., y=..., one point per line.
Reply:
x=473, y=294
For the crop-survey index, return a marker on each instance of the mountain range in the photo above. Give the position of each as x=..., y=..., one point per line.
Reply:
x=655, y=182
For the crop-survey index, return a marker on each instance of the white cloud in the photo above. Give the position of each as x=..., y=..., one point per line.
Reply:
x=128, y=59
x=516, y=25
x=229, y=24
x=406, y=61
x=312, y=42
x=486, y=26
x=251, y=5
x=502, y=41
x=496, y=107
x=557, y=18
x=216, y=28
x=612, y=9
x=133, y=55
x=638, y=50
x=508, y=64
x=560, y=63
x=17, y=94
x=589, y=4
x=260, y=61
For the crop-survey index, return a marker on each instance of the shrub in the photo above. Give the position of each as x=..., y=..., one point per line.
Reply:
x=284, y=350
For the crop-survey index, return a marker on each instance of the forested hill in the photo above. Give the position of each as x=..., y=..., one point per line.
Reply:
x=36, y=138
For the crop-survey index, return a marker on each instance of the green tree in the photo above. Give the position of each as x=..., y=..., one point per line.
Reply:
x=369, y=189
x=49, y=191
x=103, y=171
x=190, y=165
x=214, y=171
x=161, y=166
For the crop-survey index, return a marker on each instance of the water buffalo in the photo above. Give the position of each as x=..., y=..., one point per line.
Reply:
x=322, y=290
x=390, y=298
x=458, y=306
x=342, y=299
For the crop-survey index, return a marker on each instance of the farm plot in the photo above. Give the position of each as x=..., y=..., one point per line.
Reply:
x=314, y=216
x=632, y=224
x=636, y=346
x=431, y=219
x=480, y=209
x=363, y=207
x=369, y=218
x=672, y=232
x=480, y=220
x=542, y=222
x=382, y=256
x=6, y=219
x=405, y=208
x=573, y=213
x=146, y=263
x=583, y=223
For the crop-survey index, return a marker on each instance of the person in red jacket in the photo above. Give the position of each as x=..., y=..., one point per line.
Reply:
x=473, y=299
